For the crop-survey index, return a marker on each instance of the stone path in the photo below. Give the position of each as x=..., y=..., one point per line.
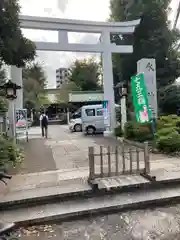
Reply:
x=38, y=158
x=64, y=156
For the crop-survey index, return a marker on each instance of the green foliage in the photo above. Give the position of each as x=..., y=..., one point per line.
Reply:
x=167, y=137
x=3, y=101
x=3, y=104
x=34, y=82
x=9, y=153
x=165, y=131
x=129, y=130
x=153, y=38
x=118, y=131
x=169, y=143
x=15, y=49
x=86, y=74
x=138, y=131
x=63, y=95
x=169, y=99
x=170, y=121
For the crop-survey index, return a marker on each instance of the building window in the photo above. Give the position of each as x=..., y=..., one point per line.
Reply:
x=90, y=112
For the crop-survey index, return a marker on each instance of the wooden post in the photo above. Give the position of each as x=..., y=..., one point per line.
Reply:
x=91, y=163
x=123, y=157
x=131, y=160
x=146, y=158
x=109, y=161
x=137, y=160
x=101, y=161
x=117, y=160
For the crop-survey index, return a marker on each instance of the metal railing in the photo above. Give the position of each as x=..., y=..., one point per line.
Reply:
x=118, y=160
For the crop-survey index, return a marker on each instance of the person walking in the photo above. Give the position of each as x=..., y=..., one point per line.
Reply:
x=44, y=124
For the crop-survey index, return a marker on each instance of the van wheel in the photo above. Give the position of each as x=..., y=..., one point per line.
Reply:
x=90, y=130
x=77, y=128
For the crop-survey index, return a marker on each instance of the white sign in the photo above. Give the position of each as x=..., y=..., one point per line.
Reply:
x=106, y=114
x=85, y=97
x=148, y=67
x=21, y=123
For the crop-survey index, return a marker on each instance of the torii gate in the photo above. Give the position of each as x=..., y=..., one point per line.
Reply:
x=105, y=47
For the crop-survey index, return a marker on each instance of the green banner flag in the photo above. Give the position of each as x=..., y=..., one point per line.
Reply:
x=140, y=99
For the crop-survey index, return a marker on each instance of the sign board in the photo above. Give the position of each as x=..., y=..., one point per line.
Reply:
x=85, y=97
x=106, y=113
x=140, y=99
x=148, y=68
x=21, y=123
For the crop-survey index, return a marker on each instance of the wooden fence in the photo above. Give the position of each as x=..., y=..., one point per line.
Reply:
x=118, y=160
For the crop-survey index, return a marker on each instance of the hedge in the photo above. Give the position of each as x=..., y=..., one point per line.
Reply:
x=167, y=137
x=138, y=132
x=118, y=131
x=10, y=154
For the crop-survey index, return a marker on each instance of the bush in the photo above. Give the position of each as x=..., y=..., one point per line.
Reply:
x=165, y=131
x=167, y=137
x=3, y=104
x=129, y=129
x=138, y=131
x=167, y=122
x=118, y=131
x=9, y=153
x=169, y=143
x=143, y=132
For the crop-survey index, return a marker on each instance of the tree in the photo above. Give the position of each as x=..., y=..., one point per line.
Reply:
x=86, y=74
x=153, y=38
x=170, y=99
x=63, y=94
x=15, y=49
x=34, y=82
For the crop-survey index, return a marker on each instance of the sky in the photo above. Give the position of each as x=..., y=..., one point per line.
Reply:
x=95, y=10
x=71, y=9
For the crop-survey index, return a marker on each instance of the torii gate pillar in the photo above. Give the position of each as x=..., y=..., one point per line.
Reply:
x=108, y=80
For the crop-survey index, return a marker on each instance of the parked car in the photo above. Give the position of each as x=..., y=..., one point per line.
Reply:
x=75, y=124
x=92, y=119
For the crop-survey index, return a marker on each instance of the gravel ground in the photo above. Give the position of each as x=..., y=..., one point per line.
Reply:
x=152, y=224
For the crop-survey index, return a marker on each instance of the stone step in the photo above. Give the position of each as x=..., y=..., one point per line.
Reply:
x=62, y=190
x=78, y=188
x=65, y=210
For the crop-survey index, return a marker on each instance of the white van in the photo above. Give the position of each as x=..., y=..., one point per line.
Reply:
x=75, y=124
x=92, y=119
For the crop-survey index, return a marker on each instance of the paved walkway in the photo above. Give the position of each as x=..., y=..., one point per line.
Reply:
x=64, y=156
